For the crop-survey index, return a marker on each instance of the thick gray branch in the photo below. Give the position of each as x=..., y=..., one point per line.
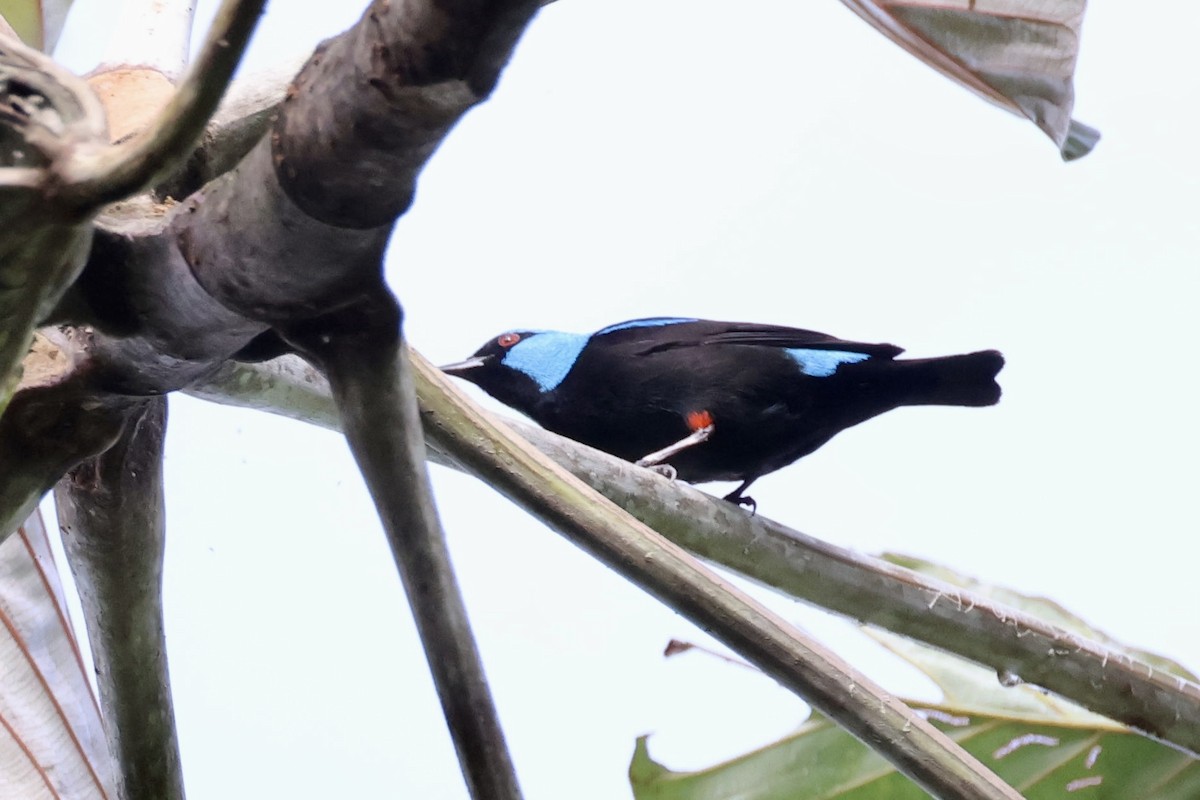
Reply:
x=169, y=293
x=373, y=386
x=176, y=290
x=110, y=509
x=57, y=169
x=156, y=327
x=341, y=161
x=384, y=95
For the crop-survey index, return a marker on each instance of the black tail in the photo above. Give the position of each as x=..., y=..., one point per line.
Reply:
x=966, y=380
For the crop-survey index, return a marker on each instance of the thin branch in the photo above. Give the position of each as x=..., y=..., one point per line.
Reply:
x=563, y=502
x=1100, y=678
x=373, y=386
x=91, y=179
x=567, y=505
x=110, y=509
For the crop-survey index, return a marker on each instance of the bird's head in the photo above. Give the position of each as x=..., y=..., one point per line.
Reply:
x=520, y=368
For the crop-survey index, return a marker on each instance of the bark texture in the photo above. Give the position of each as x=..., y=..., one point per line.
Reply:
x=286, y=241
x=111, y=510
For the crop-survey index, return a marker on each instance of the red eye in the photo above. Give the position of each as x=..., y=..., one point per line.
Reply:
x=508, y=339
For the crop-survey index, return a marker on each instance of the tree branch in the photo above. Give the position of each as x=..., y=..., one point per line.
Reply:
x=605, y=531
x=110, y=509
x=91, y=179
x=1103, y=679
x=564, y=503
x=373, y=387
x=361, y=120
x=57, y=169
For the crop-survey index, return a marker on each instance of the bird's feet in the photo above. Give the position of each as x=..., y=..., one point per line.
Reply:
x=737, y=498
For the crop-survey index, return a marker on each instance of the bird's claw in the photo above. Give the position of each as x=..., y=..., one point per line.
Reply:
x=742, y=500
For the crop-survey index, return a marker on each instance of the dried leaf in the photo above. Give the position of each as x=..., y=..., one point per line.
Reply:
x=52, y=742
x=1018, y=54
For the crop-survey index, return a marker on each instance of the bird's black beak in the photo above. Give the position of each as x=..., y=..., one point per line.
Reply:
x=459, y=367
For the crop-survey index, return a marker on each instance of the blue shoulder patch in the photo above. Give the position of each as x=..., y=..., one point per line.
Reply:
x=649, y=322
x=823, y=363
x=546, y=356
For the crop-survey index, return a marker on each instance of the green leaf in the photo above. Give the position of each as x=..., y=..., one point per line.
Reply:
x=1044, y=746
x=1042, y=761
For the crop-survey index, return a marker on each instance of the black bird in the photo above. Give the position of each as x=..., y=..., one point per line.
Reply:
x=719, y=400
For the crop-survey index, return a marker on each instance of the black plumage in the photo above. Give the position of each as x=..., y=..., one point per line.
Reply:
x=771, y=394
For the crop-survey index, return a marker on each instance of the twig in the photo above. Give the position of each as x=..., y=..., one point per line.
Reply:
x=110, y=509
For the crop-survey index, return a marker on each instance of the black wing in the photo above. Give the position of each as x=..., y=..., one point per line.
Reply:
x=645, y=337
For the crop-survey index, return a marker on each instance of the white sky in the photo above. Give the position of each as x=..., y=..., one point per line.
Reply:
x=781, y=164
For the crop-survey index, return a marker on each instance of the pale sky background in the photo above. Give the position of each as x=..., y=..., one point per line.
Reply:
x=778, y=163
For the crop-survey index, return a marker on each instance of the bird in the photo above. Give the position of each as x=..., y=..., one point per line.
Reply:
x=706, y=400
